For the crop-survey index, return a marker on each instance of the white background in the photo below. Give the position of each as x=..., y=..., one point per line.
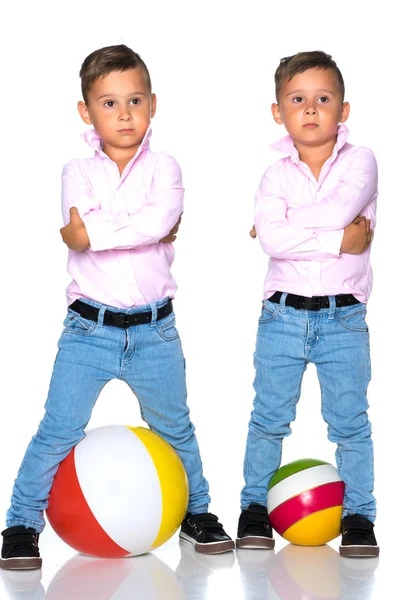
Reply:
x=212, y=67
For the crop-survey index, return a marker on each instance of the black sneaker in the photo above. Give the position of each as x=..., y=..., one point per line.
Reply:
x=254, y=528
x=206, y=534
x=20, y=549
x=358, y=538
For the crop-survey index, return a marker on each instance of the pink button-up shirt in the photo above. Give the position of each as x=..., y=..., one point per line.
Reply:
x=125, y=217
x=300, y=220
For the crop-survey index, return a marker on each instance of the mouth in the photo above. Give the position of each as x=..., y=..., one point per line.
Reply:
x=310, y=126
x=125, y=131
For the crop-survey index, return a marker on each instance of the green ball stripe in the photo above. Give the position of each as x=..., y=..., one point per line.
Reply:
x=294, y=467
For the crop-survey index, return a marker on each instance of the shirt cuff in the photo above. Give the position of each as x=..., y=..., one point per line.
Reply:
x=331, y=241
x=96, y=239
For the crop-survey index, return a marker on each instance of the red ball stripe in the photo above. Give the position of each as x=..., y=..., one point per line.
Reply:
x=310, y=501
x=71, y=517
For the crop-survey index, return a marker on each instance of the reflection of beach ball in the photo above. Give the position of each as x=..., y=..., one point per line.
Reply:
x=306, y=574
x=305, y=501
x=145, y=577
x=121, y=491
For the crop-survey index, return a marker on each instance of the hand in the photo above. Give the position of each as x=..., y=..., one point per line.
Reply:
x=171, y=237
x=357, y=236
x=253, y=232
x=74, y=234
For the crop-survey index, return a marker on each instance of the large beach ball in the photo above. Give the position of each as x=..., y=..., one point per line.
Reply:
x=121, y=491
x=305, y=501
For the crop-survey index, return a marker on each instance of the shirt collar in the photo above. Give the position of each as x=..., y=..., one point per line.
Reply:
x=286, y=144
x=93, y=139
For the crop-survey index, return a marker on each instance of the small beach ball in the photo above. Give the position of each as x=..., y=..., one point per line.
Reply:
x=122, y=491
x=305, y=501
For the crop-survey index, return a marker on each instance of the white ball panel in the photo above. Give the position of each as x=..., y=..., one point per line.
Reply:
x=121, y=486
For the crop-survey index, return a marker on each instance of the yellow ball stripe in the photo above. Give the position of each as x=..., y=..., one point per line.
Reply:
x=173, y=482
x=318, y=528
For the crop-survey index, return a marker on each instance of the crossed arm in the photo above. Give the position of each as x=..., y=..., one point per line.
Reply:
x=322, y=230
x=87, y=225
x=75, y=235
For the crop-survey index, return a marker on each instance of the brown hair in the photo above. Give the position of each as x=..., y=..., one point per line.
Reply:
x=111, y=58
x=302, y=61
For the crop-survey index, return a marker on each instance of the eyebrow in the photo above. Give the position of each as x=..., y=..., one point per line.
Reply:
x=302, y=91
x=128, y=95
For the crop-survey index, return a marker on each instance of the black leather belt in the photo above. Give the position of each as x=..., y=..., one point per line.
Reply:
x=117, y=319
x=315, y=302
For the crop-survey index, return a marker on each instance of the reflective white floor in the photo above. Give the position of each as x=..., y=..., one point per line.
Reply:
x=176, y=572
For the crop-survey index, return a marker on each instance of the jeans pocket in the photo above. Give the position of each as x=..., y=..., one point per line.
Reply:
x=268, y=312
x=166, y=328
x=353, y=319
x=77, y=325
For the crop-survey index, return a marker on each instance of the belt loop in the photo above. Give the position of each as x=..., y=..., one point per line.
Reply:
x=100, y=316
x=332, y=307
x=153, y=314
x=282, y=303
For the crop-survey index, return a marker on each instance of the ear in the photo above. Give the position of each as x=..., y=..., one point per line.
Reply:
x=84, y=113
x=153, y=105
x=276, y=113
x=344, y=115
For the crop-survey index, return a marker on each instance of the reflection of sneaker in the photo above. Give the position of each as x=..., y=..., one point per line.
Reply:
x=358, y=539
x=253, y=560
x=254, y=567
x=20, y=548
x=359, y=569
x=254, y=529
x=358, y=577
x=22, y=585
x=192, y=561
x=206, y=534
x=195, y=570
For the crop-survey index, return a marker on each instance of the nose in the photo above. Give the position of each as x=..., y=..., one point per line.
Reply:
x=310, y=110
x=124, y=113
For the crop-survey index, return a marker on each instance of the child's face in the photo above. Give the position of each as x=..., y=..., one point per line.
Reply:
x=311, y=107
x=120, y=107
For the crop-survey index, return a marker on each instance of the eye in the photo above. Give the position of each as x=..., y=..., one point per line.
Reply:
x=109, y=103
x=135, y=101
x=323, y=99
x=297, y=99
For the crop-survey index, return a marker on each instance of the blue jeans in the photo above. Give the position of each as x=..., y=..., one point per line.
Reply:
x=149, y=358
x=336, y=340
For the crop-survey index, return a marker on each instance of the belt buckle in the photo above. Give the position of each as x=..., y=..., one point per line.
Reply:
x=316, y=303
x=120, y=320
